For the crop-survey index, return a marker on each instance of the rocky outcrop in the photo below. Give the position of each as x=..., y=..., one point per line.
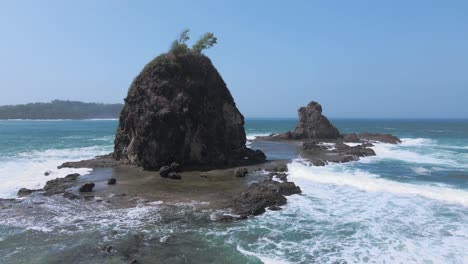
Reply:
x=312, y=125
x=259, y=196
x=59, y=185
x=371, y=137
x=178, y=109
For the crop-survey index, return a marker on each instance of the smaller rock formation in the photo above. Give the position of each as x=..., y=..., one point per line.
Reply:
x=87, y=187
x=312, y=125
x=371, y=137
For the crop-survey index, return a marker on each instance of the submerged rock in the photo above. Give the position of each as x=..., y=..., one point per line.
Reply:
x=178, y=109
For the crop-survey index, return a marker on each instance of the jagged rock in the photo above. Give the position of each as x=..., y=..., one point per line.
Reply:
x=111, y=181
x=179, y=109
x=371, y=137
x=312, y=145
x=59, y=185
x=240, y=172
x=288, y=188
x=359, y=150
x=87, y=187
x=258, y=196
x=312, y=125
x=164, y=171
x=25, y=192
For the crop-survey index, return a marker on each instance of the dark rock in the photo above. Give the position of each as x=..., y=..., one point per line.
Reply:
x=107, y=249
x=312, y=145
x=178, y=109
x=104, y=161
x=240, y=172
x=47, y=173
x=175, y=167
x=371, y=137
x=274, y=208
x=358, y=151
x=25, y=192
x=280, y=175
x=384, y=138
x=174, y=176
x=133, y=261
x=87, y=187
x=281, y=168
x=319, y=162
x=312, y=125
x=258, y=196
x=59, y=185
x=111, y=181
x=288, y=188
x=164, y=171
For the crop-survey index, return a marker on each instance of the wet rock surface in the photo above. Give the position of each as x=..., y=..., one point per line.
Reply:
x=59, y=185
x=26, y=192
x=179, y=109
x=104, y=161
x=371, y=137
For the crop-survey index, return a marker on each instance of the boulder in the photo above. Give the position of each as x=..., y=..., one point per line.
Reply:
x=164, y=171
x=240, y=172
x=178, y=109
x=111, y=181
x=87, y=187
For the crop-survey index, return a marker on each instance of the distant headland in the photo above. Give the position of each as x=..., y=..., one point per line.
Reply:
x=60, y=109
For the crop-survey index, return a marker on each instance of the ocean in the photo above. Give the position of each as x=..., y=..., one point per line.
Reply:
x=408, y=204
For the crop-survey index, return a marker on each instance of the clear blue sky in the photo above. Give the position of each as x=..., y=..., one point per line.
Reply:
x=357, y=58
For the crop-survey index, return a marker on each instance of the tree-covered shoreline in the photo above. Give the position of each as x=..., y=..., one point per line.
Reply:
x=60, y=109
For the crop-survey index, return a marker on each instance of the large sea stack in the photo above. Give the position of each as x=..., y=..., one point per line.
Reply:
x=178, y=109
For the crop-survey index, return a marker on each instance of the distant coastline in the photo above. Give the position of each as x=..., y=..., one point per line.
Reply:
x=60, y=110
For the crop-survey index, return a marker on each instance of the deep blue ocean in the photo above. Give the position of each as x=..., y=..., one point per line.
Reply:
x=408, y=204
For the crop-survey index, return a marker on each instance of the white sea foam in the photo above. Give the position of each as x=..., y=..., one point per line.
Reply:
x=27, y=169
x=346, y=215
x=338, y=174
x=418, y=151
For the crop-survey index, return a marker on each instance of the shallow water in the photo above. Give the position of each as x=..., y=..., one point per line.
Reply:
x=409, y=204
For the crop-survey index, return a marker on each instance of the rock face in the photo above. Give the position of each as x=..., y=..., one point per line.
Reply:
x=314, y=125
x=178, y=109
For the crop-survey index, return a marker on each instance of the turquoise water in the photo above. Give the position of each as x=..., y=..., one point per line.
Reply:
x=409, y=204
